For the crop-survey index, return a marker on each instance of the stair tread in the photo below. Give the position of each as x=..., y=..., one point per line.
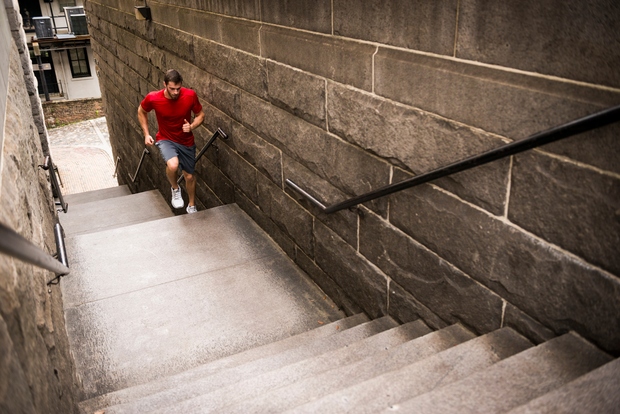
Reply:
x=129, y=394
x=132, y=318
x=111, y=213
x=595, y=392
x=433, y=372
x=513, y=381
x=318, y=385
x=264, y=381
x=96, y=195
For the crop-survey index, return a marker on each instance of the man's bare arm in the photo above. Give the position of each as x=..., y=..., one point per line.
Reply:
x=143, y=119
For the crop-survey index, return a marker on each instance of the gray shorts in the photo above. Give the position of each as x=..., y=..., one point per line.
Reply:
x=169, y=149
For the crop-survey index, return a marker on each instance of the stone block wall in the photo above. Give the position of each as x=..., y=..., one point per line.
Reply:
x=346, y=96
x=36, y=371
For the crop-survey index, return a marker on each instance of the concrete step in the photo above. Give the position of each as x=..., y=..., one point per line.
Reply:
x=130, y=394
x=111, y=213
x=252, y=386
x=594, y=392
x=308, y=389
x=161, y=297
x=97, y=195
x=399, y=385
x=513, y=381
x=184, y=390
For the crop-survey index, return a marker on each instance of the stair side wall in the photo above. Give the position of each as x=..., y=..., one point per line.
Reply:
x=346, y=96
x=35, y=365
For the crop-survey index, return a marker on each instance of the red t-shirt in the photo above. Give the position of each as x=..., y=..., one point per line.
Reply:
x=172, y=113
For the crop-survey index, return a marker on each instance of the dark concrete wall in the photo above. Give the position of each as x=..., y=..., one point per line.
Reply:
x=36, y=371
x=345, y=96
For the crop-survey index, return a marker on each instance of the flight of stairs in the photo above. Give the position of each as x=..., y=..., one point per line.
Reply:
x=204, y=313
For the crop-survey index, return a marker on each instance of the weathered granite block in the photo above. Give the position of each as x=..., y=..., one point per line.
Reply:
x=405, y=308
x=327, y=285
x=205, y=25
x=338, y=59
x=575, y=40
x=218, y=188
x=241, y=34
x=265, y=222
x=286, y=213
x=442, y=288
x=543, y=281
x=239, y=171
x=574, y=207
x=362, y=281
x=512, y=104
x=175, y=42
x=258, y=152
x=247, y=9
x=419, y=25
x=525, y=325
x=343, y=222
x=239, y=68
x=347, y=167
x=17, y=397
x=298, y=92
x=315, y=15
x=226, y=97
x=215, y=119
x=418, y=141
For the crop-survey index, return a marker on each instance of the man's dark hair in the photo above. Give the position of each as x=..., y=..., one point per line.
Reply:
x=173, y=76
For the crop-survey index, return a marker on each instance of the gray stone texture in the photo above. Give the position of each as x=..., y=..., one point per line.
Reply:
x=418, y=141
x=594, y=392
x=344, y=222
x=404, y=307
x=327, y=285
x=338, y=59
x=287, y=214
x=445, y=290
x=158, y=322
x=36, y=370
x=572, y=206
x=315, y=15
x=389, y=388
x=314, y=148
x=362, y=280
x=298, y=92
x=309, y=389
x=528, y=272
x=574, y=40
x=419, y=25
x=266, y=158
x=498, y=100
x=513, y=381
x=378, y=97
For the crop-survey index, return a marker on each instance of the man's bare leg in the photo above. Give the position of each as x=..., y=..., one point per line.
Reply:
x=190, y=186
x=171, y=171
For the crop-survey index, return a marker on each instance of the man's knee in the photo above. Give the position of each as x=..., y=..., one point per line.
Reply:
x=173, y=163
x=189, y=177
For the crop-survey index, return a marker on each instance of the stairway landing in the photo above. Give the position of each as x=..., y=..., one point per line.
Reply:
x=151, y=299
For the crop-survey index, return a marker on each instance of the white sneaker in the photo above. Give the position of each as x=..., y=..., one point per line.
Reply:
x=191, y=209
x=177, y=198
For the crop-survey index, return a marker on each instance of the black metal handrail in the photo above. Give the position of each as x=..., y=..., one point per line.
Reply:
x=587, y=123
x=204, y=149
x=48, y=165
x=17, y=246
x=144, y=152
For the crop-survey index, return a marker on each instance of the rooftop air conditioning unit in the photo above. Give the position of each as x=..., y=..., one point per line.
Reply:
x=43, y=27
x=78, y=24
x=72, y=11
